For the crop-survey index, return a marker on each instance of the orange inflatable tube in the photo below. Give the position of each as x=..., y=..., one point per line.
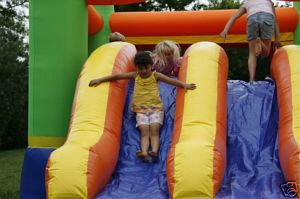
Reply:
x=184, y=23
x=95, y=21
x=188, y=27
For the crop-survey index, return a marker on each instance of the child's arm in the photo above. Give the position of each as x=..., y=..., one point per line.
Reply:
x=96, y=82
x=276, y=29
x=231, y=21
x=174, y=82
x=176, y=68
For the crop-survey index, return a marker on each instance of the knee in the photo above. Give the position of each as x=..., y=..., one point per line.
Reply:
x=154, y=132
x=144, y=133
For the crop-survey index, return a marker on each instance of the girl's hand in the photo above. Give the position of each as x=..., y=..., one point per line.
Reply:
x=95, y=82
x=277, y=44
x=189, y=87
x=223, y=34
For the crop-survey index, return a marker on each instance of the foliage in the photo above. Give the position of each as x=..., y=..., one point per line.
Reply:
x=218, y=5
x=172, y=5
x=13, y=74
x=281, y=4
x=155, y=5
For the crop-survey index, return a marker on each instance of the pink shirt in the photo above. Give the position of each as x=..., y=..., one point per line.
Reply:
x=255, y=6
x=171, y=69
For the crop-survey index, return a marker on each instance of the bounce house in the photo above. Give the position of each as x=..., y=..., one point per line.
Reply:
x=226, y=139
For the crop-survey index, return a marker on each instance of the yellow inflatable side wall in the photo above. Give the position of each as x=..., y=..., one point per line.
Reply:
x=197, y=157
x=84, y=164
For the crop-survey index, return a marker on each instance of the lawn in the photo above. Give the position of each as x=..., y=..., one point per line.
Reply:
x=10, y=169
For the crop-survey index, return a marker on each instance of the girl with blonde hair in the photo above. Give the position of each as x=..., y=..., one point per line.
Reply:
x=167, y=58
x=261, y=26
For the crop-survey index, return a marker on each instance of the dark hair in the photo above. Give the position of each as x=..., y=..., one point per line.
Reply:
x=142, y=58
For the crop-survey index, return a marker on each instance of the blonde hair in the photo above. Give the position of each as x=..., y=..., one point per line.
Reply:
x=116, y=36
x=166, y=47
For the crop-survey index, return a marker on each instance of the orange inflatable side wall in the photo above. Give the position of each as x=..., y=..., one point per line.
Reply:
x=285, y=71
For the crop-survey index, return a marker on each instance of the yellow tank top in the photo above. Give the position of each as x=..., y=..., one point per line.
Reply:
x=146, y=95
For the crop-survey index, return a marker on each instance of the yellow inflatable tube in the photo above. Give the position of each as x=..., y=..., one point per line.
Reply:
x=197, y=157
x=84, y=164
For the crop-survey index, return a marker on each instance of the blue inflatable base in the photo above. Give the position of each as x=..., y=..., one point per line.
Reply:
x=33, y=173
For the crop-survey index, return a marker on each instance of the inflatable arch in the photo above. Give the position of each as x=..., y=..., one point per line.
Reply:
x=76, y=158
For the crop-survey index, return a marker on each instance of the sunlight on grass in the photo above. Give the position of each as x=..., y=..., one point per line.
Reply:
x=10, y=167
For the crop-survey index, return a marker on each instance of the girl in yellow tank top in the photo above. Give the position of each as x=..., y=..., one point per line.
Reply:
x=146, y=101
x=146, y=95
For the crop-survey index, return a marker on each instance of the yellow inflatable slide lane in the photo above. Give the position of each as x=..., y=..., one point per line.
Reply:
x=285, y=68
x=197, y=157
x=84, y=164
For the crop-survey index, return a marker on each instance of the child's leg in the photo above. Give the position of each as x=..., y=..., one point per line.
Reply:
x=267, y=29
x=154, y=136
x=258, y=47
x=265, y=47
x=145, y=134
x=143, y=120
x=252, y=59
x=156, y=121
x=253, y=41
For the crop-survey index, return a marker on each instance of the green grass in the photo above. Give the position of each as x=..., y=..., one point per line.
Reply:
x=10, y=170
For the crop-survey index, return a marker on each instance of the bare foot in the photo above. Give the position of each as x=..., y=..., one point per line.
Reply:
x=258, y=47
x=141, y=156
x=154, y=156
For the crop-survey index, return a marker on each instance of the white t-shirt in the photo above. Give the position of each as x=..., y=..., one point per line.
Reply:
x=255, y=6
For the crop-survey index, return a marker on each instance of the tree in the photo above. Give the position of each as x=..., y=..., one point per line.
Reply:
x=13, y=74
x=155, y=5
x=218, y=5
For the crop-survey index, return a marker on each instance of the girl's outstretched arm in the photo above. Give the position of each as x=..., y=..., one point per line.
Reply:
x=174, y=82
x=96, y=82
x=231, y=21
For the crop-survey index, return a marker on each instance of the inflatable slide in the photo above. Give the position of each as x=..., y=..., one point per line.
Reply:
x=96, y=118
x=98, y=159
x=218, y=141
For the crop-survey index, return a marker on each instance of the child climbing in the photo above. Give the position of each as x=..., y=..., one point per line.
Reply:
x=261, y=24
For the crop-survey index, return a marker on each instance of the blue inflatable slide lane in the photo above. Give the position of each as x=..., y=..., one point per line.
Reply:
x=253, y=169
